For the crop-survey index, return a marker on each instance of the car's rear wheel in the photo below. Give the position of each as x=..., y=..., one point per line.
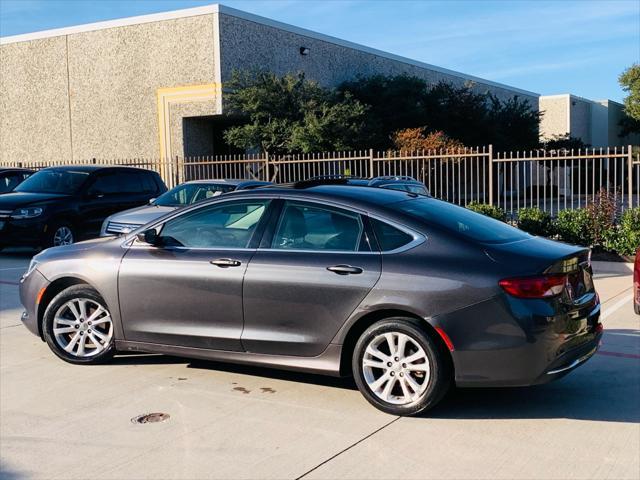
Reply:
x=399, y=367
x=78, y=326
x=61, y=234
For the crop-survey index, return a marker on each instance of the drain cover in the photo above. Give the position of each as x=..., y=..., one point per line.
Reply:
x=151, y=418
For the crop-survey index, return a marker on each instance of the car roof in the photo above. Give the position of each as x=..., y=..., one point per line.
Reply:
x=94, y=168
x=358, y=196
x=14, y=169
x=226, y=181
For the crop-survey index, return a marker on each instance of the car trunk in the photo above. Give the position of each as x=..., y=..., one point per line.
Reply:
x=539, y=256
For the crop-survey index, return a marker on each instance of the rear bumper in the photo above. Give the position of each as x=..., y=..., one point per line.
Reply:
x=511, y=342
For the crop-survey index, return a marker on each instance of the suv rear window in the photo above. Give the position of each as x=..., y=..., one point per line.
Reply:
x=461, y=221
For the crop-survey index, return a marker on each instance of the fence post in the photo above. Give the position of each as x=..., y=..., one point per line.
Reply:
x=266, y=167
x=175, y=173
x=630, y=174
x=490, y=174
x=371, y=162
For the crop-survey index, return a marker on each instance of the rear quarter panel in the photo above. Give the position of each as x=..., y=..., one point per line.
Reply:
x=441, y=275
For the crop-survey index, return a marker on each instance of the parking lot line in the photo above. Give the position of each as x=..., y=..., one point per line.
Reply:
x=618, y=354
x=616, y=306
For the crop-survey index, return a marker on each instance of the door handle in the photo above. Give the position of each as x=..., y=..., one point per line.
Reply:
x=345, y=270
x=225, y=262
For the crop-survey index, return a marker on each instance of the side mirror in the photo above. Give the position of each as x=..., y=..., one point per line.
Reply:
x=148, y=236
x=151, y=200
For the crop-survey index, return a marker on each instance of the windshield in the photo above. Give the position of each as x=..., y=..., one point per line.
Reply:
x=460, y=220
x=53, y=181
x=191, y=193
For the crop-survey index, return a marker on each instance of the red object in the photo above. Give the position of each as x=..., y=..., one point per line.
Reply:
x=636, y=283
x=445, y=337
x=542, y=286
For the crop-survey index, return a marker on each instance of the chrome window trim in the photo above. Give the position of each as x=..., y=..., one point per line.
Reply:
x=297, y=250
x=418, y=238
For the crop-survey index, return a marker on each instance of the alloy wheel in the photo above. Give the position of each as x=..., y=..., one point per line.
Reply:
x=82, y=327
x=62, y=236
x=396, y=368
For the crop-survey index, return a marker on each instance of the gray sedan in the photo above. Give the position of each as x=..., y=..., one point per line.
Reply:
x=407, y=293
x=184, y=194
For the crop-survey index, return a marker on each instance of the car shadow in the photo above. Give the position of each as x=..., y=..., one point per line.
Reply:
x=606, y=389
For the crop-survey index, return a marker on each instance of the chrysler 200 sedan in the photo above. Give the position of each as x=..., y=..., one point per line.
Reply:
x=407, y=293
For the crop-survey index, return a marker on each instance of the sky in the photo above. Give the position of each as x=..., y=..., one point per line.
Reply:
x=544, y=46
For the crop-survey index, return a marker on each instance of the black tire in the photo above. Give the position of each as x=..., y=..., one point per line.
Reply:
x=77, y=292
x=636, y=308
x=437, y=384
x=51, y=234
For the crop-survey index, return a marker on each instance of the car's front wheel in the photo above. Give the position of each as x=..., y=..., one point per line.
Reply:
x=399, y=367
x=78, y=327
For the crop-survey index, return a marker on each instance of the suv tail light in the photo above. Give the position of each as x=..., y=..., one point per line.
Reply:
x=542, y=286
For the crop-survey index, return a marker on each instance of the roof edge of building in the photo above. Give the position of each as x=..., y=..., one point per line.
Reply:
x=218, y=8
x=115, y=23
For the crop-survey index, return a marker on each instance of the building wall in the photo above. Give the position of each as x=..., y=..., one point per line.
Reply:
x=580, y=121
x=600, y=128
x=109, y=78
x=555, y=119
x=122, y=89
x=245, y=44
x=34, y=104
x=615, y=113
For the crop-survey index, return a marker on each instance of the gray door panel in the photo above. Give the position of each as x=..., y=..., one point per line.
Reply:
x=178, y=297
x=293, y=305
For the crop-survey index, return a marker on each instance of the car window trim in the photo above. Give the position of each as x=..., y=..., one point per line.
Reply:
x=418, y=238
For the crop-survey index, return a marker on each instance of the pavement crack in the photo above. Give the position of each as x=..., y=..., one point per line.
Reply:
x=609, y=300
x=348, y=448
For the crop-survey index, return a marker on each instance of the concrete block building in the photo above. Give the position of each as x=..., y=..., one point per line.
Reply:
x=152, y=86
x=595, y=122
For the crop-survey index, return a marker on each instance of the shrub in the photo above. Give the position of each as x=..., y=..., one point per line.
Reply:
x=602, y=216
x=573, y=226
x=535, y=221
x=416, y=139
x=627, y=238
x=488, y=210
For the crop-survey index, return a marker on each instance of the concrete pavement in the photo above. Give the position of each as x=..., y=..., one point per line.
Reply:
x=63, y=421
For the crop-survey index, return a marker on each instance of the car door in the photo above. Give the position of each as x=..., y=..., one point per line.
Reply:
x=306, y=278
x=99, y=200
x=186, y=290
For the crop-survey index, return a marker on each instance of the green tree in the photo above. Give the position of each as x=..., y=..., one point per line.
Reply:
x=461, y=112
x=630, y=82
x=395, y=103
x=290, y=113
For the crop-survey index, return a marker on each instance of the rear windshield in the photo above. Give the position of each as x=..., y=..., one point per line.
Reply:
x=191, y=193
x=53, y=181
x=460, y=220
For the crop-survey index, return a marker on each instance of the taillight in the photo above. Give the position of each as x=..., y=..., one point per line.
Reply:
x=542, y=286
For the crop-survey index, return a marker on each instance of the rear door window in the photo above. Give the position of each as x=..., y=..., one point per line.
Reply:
x=304, y=226
x=130, y=182
x=106, y=184
x=148, y=183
